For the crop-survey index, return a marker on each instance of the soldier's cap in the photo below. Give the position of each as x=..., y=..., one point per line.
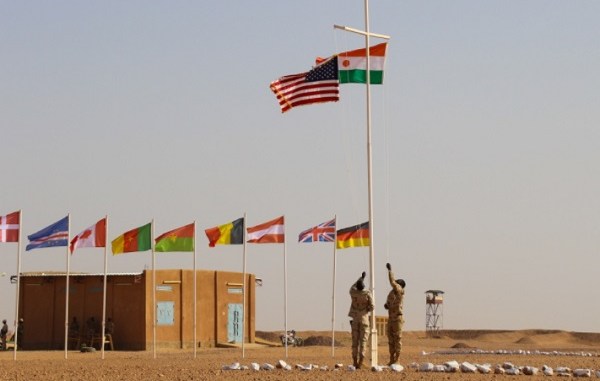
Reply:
x=401, y=282
x=360, y=285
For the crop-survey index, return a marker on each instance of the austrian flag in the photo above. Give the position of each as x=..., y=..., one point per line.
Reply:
x=94, y=236
x=268, y=232
x=9, y=227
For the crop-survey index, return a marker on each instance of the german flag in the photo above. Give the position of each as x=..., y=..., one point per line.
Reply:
x=354, y=236
x=228, y=234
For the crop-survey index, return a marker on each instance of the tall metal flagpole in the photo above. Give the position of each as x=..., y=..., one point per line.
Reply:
x=67, y=286
x=244, y=290
x=153, y=291
x=18, y=284
x=374, y=354
x=285, y=292
x=104, y=286
x=367, y=34
x=333, y=289
x=195, y=296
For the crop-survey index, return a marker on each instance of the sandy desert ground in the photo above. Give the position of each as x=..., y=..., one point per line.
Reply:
x=181, y=365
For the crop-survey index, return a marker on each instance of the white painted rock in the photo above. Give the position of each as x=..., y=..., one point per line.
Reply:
x=267, y=366
x=376, y=368
x=351, y=368
x=563, y=371
x=426, y=367
x=255, y=366
x=339, y=366
x=281, y=364
x=396, y=368
x=499, y=370
x=513, y=371
x=467, y=367
x=547, y=370
x=530, y=370
x=439, y=368
x=234, y=366
x=452, y=366
x=484, y=368
x=582, y=373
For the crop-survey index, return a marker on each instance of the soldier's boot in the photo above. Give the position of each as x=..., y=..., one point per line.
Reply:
x=361, y=360
x=393, y=358
x=355, y=362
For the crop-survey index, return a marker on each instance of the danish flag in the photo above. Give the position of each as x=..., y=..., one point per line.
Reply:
x=9, y=227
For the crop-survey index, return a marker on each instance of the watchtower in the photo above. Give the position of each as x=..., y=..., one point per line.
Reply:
x=434, y=312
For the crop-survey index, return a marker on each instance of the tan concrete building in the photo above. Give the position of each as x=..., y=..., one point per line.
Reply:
x=129, y=303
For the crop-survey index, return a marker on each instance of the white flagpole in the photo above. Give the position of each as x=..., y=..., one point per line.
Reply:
x=67, y=286
x=285, y=291
x=244, y=290
x=18, y=284
x=195, y=296
x=333, y=289
x=374, y=356
x=153, y=290
x=367, y=34
x=104, y=286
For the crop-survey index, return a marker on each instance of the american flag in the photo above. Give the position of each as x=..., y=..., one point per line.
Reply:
x=315, y=86
x=324, y=232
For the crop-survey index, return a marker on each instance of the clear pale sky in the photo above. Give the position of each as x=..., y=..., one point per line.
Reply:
x=485, y=139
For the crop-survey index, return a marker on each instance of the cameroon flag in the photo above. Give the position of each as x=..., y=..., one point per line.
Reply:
x=354, y=236
x=180, y=239
x=137, y=239
x=228, y=234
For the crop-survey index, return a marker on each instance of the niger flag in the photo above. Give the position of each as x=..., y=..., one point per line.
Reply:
x=137, y=239
x=354, y=236
x=228, y=234
x=352, y=65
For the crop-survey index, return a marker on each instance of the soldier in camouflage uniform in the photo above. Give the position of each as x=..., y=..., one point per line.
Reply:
x=362, y=304
x=395, y=319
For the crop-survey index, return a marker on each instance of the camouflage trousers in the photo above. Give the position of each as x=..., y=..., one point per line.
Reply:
x=394, y=334
x=360, y=336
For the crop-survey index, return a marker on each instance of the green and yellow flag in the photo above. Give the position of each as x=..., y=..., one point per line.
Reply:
x=137, y=239
x=180, y=239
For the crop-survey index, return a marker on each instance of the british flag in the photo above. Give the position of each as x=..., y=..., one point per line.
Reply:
x=324, y=232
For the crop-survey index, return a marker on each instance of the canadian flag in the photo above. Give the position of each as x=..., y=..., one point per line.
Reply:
x=9, y=227
x=94, y=236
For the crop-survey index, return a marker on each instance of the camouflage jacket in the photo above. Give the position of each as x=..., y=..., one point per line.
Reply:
x=362, y=304
x=395, y=298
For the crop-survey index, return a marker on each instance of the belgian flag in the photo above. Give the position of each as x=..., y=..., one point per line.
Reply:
x=228, y=234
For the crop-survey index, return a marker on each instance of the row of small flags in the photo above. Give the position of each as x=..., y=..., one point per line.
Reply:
x=180, y=239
